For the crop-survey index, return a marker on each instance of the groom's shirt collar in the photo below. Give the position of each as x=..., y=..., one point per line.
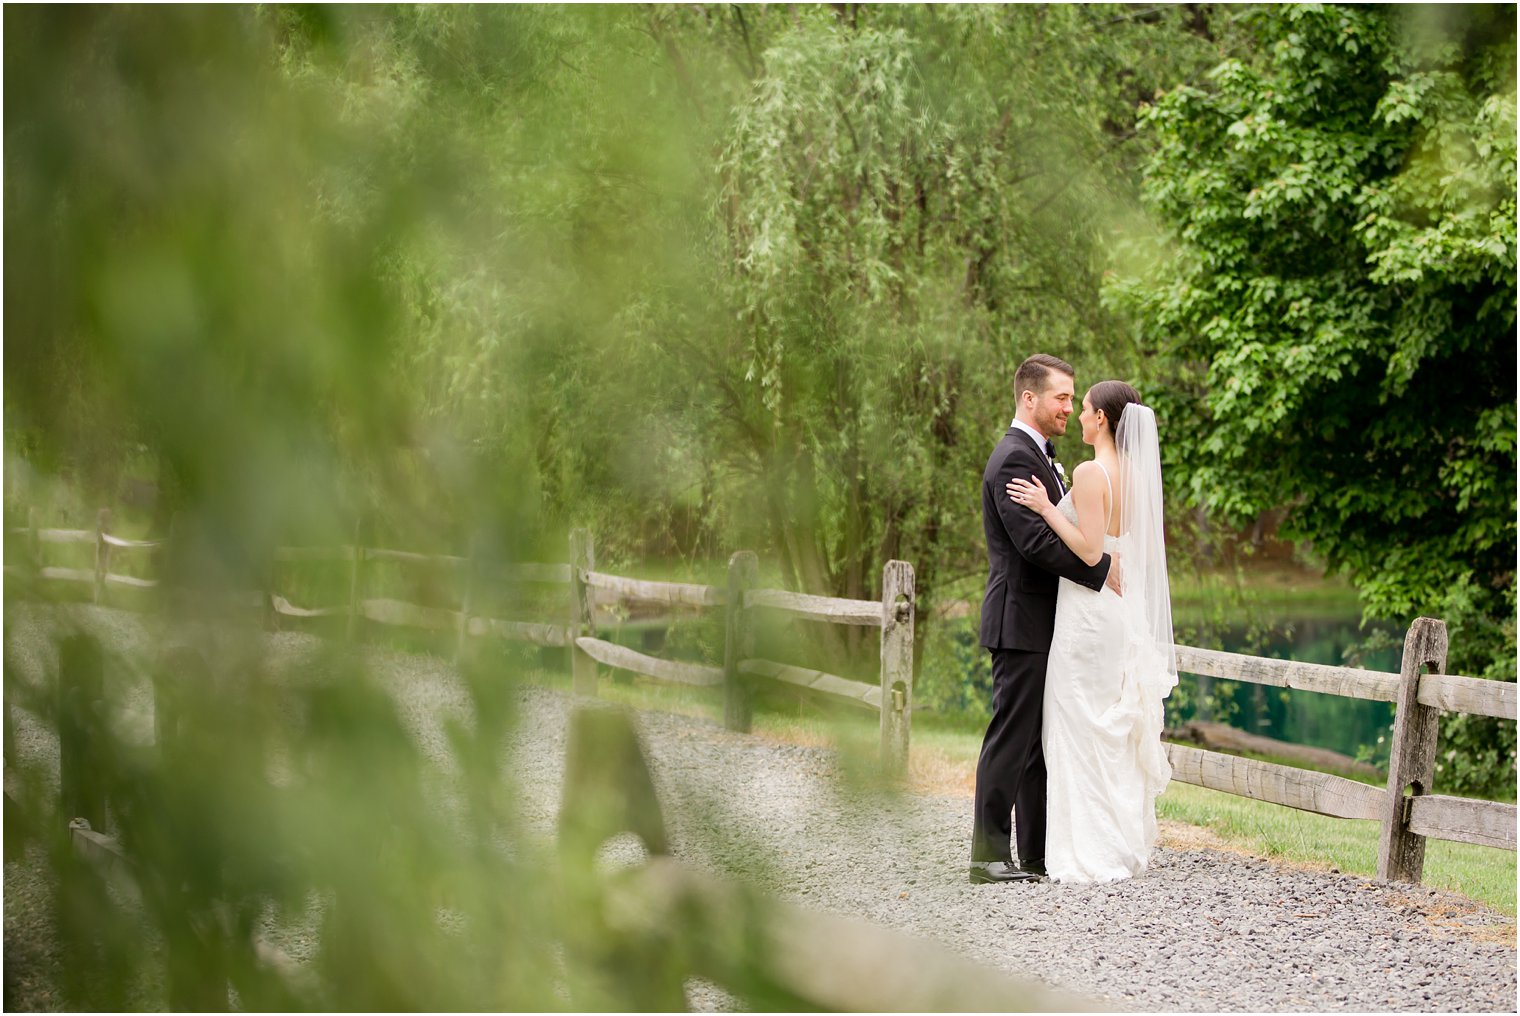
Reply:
x=1039, y=439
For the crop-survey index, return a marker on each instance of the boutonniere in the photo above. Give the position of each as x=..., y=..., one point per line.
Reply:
x=1061, y=472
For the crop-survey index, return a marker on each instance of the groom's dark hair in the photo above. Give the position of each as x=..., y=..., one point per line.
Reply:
x=1033, y=374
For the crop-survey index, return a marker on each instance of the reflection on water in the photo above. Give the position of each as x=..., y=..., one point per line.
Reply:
x=1301, y=717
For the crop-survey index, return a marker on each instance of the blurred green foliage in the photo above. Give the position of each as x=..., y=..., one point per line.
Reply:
x=247, y=247
x=701, y=279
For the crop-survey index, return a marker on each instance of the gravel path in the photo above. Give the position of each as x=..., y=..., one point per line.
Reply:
x=1203, y=930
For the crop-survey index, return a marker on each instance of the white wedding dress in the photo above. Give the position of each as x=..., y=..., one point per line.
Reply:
x=1103, y=716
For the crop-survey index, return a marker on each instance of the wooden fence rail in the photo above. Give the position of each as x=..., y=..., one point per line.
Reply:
x=817, y=608
x=1406, y=809
x=894, y=614
x=644, y=591
x=587, y=589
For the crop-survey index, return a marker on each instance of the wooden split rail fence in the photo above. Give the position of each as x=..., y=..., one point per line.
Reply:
x=894, y=614
x=891, y=698
x=1406, y=809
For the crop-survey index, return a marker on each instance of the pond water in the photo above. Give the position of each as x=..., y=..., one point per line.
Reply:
x=1341, y=724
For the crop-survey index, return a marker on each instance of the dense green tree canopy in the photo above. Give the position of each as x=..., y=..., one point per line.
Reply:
x=1335, y=326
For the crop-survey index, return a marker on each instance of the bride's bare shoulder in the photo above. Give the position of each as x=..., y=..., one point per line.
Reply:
x=1088, y=472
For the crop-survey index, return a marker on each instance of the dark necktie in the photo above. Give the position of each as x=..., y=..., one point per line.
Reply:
x=1050, y=453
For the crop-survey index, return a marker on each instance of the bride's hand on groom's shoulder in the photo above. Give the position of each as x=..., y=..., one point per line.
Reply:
x=1029, y=494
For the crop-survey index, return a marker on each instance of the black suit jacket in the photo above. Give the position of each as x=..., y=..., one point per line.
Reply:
x=1024, y=555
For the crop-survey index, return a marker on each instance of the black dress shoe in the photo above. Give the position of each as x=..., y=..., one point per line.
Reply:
x=1035, y=867
x=983, y=872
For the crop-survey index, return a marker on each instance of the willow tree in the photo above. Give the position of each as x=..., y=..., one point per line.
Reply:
x=753, y=277
x=913, y=201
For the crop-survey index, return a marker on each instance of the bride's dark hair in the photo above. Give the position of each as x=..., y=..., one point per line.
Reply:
x=1112, y=397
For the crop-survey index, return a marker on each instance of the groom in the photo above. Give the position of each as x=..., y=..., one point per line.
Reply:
x=1018, y=617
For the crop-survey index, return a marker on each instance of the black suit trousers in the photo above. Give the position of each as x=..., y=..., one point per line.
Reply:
x=1010, y=774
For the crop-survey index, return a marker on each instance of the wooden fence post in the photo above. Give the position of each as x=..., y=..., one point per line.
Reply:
x=271, y=586
x=10, y=726
x=583, y=612
x=898, y=606
x=80, y=688
x=356, y=582
x=608, y=789
x=464, y=603
x=1412, y=758
x=182, y=674
x=176, y=568
x=738, y=640
x=34, y=542
x=171, y=567
x=102, y=550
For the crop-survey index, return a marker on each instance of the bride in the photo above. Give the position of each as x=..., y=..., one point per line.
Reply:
x=1111, y=661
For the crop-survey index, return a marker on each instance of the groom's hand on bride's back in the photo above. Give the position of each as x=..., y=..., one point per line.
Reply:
x=1113, y=579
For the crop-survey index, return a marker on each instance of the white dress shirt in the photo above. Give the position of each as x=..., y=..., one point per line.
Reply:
x=1040, y=440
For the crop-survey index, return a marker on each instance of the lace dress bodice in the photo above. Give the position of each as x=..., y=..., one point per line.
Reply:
x=1068, y=508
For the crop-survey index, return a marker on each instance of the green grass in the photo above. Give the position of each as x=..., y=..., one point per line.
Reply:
x=943, y=760
x=1485, y=874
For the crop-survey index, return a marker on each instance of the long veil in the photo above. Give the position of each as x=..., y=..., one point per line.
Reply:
x=1147, y=598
